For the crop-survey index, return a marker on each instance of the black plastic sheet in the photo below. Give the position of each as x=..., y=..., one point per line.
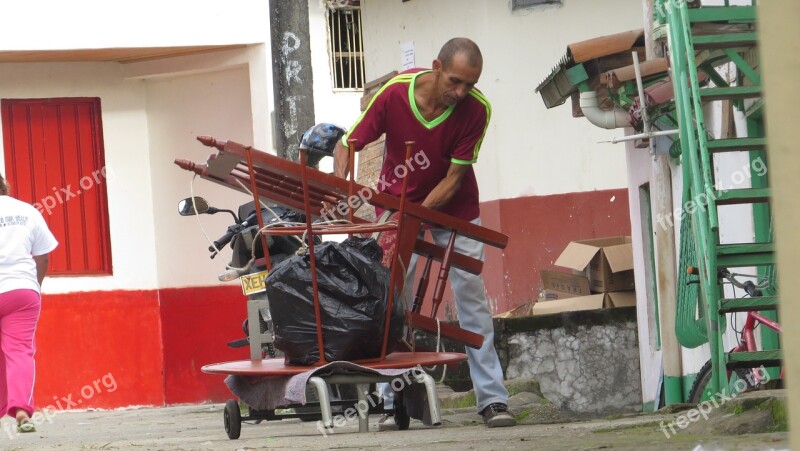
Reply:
x=353, y=294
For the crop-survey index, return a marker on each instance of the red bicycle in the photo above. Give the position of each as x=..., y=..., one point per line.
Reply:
x=752, y=377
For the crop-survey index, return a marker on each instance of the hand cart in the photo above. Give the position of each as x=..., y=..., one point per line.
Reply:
x=297, y=186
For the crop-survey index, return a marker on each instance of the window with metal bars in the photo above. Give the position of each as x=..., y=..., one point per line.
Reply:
x=346, y=47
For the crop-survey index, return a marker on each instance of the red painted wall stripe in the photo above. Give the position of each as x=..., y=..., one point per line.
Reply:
x=99, y=349
x=538, y=229
x=197, y=325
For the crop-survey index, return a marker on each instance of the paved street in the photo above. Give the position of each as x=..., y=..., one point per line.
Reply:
x=200, y=427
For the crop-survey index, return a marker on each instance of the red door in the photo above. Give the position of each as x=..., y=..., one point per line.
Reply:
x=54, y=159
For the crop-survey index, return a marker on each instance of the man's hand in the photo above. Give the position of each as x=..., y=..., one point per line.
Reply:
x=447, y=187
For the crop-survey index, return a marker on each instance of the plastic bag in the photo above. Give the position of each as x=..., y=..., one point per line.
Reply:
x=353, y=288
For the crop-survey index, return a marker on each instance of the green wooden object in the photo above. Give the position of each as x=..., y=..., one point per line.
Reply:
x=748, y=304
x=700, y=240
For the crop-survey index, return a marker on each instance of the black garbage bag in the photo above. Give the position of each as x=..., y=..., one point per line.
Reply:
x=353, y=293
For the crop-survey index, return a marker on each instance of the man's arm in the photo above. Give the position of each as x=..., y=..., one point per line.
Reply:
x=447, y=187
x=341, y=159
x=42, y=262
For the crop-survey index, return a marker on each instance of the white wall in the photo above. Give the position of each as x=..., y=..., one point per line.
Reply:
x=529, y=150
x=639, y=173
x=153, y=110
x=339, y=107
x=89, y=24
x=179, y=109
x=128, y=169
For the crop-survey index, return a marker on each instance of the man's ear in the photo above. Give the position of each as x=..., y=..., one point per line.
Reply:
x=436, y=65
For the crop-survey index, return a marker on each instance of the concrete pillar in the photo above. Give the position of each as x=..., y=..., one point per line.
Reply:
x=664, y=243
x=292, y=76
x=780, y=63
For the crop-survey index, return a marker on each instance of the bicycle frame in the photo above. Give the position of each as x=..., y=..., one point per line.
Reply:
x=748, y=341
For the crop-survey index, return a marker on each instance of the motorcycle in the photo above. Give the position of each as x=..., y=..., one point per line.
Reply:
x=242, y=236
x=247, y=261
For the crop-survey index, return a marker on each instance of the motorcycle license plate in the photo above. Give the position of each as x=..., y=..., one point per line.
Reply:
x=254, y=283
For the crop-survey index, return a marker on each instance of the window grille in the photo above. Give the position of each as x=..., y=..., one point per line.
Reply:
x=346, y=44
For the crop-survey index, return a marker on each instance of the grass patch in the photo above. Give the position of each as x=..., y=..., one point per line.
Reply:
x=522, y=415
x=459, y=402
x=779, y=415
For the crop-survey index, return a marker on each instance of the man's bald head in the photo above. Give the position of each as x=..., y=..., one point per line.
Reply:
x=457, y=46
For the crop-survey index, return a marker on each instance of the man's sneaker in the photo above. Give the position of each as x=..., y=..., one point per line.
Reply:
x=497, y=416
x=387, y=423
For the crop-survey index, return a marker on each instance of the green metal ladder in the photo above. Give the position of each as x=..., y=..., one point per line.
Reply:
x=728, y=34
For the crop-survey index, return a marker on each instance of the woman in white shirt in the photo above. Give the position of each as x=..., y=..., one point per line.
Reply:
x=25, y=242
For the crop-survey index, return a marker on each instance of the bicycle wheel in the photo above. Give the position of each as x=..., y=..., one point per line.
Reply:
x=701, y=388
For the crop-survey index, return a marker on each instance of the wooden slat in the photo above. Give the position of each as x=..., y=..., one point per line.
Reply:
x=748, y=304
x=728, y=40
x=339, y=187
x=745, y=254
x=736, y=144
x=743, y=196
x=448, y=331
x=754, y=359
x=733, y=92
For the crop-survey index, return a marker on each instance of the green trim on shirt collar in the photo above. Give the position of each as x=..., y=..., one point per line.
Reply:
x=413, y=102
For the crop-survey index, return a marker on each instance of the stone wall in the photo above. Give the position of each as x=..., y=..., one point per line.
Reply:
x=586, y=363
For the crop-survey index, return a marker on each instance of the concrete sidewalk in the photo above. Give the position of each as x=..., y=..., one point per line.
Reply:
x=195, y=427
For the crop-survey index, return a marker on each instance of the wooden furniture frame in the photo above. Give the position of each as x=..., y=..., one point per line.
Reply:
x=270, y=178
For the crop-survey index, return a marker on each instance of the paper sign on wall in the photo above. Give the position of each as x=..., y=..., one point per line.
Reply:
x=407, y=50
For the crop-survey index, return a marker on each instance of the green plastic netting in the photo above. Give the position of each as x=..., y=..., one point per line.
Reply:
x=690, y=322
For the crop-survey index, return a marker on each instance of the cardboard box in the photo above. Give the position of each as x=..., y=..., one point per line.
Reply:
x=607, y=262
x=562, y=285
x=591, y=302
x=518, y=311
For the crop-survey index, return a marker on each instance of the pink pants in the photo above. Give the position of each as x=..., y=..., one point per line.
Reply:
x=19, y=312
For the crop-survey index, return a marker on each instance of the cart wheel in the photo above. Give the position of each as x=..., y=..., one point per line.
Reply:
x=401, y=417
x=233, y=419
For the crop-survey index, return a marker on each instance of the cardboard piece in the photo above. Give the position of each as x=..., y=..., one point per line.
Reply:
x=607, y=262
x=591, y=302
x=562, y=285
x=518, y=311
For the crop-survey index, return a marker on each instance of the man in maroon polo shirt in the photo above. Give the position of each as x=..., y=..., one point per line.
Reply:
x=447, y=117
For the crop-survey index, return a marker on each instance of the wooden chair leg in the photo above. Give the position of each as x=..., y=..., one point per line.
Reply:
x=444, y=272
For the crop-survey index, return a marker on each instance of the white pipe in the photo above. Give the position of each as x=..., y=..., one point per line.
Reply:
x=614, y=118
x=644, y=135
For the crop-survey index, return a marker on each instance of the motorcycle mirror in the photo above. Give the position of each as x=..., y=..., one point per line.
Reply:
x=193, y=205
